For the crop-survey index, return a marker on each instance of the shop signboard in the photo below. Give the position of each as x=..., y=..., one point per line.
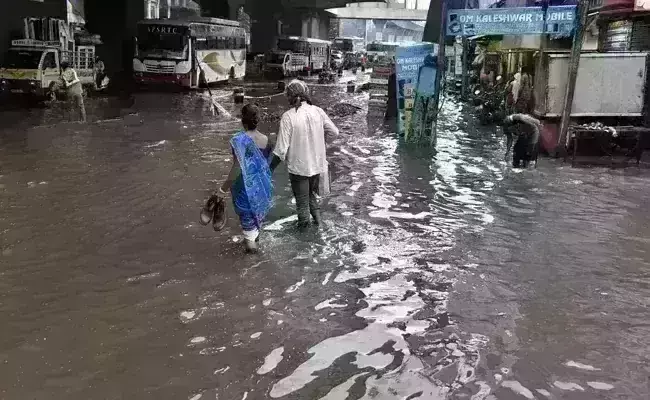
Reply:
x=511, y=21
x=416, y=68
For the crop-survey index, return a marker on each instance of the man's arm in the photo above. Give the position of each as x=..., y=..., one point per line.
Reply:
x=282, y=144
x=509, y=138
x=328, y=125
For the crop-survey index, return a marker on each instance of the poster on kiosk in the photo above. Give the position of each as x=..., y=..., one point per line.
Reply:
x=416, y=68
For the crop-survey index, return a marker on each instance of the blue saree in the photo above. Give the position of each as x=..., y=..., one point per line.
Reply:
x=252, y=191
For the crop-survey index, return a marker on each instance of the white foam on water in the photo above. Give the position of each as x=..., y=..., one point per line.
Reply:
x=245, y=396
x=196, y=397
x=376, y=360
x=405, y=382
x=574, y=364
x=385, y=214
x=186, y=316
x=279, y=224
x=210, y=351
x=518, y=388
x=488, y=218
x=600, y=385
x=570, y=386
x=295, y=286
x=198, y=339
x=347, y=214
x=327, y=278
x=256, y=335
x=158, y=144
x=266, y=302
x=326, y=352
x=222, y=370
x=544, y=392
x=329, y=304
x=271, y=361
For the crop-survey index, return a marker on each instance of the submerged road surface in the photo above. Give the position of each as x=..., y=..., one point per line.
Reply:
x=446, y=276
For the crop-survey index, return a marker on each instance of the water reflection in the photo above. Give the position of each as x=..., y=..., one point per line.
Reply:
x=436, y=275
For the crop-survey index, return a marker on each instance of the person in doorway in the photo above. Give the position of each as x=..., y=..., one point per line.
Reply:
x=249, y=180
x=74, y=90
x=523, y=130
x=525, y=102
x=301, y=143
x=100, y=72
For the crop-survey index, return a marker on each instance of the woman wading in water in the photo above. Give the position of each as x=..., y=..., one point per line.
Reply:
x=249, y=180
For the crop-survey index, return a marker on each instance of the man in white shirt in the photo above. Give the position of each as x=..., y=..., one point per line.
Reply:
x=301, y=144
x=73, y=88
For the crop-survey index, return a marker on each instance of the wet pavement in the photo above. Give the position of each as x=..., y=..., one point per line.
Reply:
x=436, y=276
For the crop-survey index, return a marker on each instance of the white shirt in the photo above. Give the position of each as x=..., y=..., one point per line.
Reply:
x=301, y=140
x=72, y=82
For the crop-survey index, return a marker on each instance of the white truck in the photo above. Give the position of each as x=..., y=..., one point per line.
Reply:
x=33, y=67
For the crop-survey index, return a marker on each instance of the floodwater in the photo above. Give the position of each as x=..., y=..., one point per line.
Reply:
x=436, y=276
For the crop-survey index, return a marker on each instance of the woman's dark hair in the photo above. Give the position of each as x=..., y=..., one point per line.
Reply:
x=250, y=116
x=65, y=65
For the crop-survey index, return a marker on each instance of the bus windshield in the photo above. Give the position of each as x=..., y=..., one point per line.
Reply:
x=296, y=46
x=162, y=45
x=22, y=59
x=343, y=45
x=381, y=47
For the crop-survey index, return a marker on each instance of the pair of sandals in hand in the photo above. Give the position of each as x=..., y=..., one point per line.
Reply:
x=214, y=212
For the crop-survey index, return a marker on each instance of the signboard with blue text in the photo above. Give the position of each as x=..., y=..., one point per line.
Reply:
x=494, y=20
x=416, y=68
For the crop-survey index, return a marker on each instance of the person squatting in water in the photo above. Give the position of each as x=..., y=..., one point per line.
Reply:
x=523, y=130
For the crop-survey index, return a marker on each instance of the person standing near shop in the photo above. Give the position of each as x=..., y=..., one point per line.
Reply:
x=301, y=144
x=73, y=88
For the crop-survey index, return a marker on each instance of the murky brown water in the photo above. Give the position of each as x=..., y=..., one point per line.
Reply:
x=434, y=277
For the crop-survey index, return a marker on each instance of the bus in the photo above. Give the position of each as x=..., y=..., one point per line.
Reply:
x=189, y=52
x=294, y=55
x=352, y=49
x=379, y=52
x=349, y=44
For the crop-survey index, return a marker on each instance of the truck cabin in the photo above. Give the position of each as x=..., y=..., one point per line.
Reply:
x=293, y=44
x=28, y=58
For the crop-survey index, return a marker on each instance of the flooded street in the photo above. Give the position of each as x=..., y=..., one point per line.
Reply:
x=435, y=276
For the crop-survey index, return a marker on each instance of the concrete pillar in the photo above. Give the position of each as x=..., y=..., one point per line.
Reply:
x=315, y=27
x=304, y=31
x=265, y=15
x=334, y=30
x=434, y=20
